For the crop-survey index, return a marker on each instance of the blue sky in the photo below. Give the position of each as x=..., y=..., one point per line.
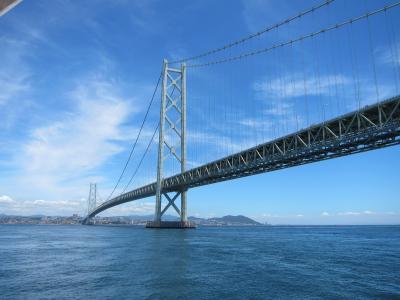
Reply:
x=76, y=78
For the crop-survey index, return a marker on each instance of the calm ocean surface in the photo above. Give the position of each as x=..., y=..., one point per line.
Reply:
x=126, y=262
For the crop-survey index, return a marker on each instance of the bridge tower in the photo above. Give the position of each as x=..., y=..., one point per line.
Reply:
x=92, y=199
x=172, y=143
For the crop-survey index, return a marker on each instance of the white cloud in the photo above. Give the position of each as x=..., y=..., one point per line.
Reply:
x=83, y=139
x=389, y=54
x=294, y=85
x=40, y=206
x=281, y=110
x=267, y=216
x=6, y=199
x=279, y=114
x=57, y=158
x=284, y=102
x=325, y=214
x=215, y=140
x=365, y=213
x=57, y=203
x=132, y=208
x=255, y=123
x=349, y=213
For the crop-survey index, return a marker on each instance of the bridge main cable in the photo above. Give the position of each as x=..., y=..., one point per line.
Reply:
x=141, y=160
x=298, y=39
x=256, y=34
x=136, y=139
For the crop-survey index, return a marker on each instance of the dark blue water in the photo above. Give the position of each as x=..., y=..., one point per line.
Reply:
x=104, y=262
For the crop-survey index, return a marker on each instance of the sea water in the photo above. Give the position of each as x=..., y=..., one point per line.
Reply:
x=131, y=262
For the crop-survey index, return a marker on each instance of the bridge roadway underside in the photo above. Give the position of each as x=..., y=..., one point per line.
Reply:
x=375, y=126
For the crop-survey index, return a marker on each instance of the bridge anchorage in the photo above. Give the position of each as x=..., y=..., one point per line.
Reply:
x=173, y=121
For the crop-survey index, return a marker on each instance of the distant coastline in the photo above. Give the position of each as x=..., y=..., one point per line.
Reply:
x=134, y=220
x=125, y=220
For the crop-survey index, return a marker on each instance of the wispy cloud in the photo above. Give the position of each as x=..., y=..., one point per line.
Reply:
x=61, y=150
x=213, y=140
x=364, y=213
x=357, y=213
x=389, y=55
x=14, y=74
x=59, y=156
x=255, y=123
x=295, y=85
x=12, y=84
x=84, y=135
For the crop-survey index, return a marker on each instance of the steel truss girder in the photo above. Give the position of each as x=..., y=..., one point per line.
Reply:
x=373, y=127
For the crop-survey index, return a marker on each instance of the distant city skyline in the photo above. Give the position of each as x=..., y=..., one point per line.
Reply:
x=76, y=79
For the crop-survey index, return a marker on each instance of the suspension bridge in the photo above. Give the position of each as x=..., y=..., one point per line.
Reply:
x=308, y=116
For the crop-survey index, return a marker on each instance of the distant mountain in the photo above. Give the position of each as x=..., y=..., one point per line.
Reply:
x=140, y=218
x=237, y=219
x=226, y=221
x=194, y=219
x=240, y=219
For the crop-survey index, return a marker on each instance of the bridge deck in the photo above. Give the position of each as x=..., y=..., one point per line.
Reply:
x=372, y=127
